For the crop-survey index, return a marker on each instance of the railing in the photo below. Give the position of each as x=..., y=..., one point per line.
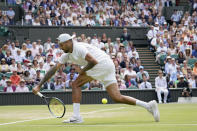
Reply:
x=88, y=97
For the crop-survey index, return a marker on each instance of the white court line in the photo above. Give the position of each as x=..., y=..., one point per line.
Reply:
x=24, y=121
x=85, y=113
x=110, y=125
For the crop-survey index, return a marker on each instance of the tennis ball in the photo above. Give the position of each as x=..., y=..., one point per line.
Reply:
x=104, y=101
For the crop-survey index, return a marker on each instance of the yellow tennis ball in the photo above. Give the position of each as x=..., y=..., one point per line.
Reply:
x=104, y=101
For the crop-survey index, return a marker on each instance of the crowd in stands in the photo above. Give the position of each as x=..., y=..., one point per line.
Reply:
x=175, y=47
x=138, y=13
x=22, y=67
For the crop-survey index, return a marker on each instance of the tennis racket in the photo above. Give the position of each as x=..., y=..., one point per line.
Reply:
x=56, y=106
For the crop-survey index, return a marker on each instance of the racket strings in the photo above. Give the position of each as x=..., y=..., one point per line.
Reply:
x=56, y=107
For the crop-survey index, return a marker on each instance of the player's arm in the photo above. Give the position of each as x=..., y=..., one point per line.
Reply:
x=48, y=75
x=91, y=63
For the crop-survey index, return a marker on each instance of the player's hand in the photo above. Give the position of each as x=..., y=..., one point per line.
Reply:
x=36, y=90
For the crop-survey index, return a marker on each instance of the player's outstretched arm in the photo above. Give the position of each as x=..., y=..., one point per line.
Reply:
x=48, y=75
x=91, y=63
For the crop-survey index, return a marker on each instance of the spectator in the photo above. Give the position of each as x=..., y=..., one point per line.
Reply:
x=167, y=64
x=95, y=84
x=184, y=68
x=89, y=9
x=59, y=84
x=145, y=84
x=172, y=49
x=181, y=57
x=192, y=81
x=161, y=50
x=18, y=57
x=49, y=85
x=3, y=81
x=131, y=73
x=176, y=17
x=15, y=79
x=11, y=14
x=168, y=3
x=123, y=63
x=9, y=87
x=28, y=56
x=161, y=87
x=47, y=45
x=3, y=66
x=28, y=44
x=19, y=69
x=185, y=86
x=194, y=51
x=69, y=81
x=28, y=79
x=8, y=57
x=125, y=36
x=13, y=65
x=121, y=85
x=22, y=87
x=61, y=74
x=139, y=74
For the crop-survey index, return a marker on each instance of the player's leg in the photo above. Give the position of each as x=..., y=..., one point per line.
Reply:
x=115, y=94
x=76, y=98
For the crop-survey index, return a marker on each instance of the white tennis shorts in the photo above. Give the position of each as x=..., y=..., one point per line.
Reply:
x=104, y=71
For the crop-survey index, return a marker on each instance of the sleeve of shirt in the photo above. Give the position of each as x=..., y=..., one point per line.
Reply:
x=64, y=58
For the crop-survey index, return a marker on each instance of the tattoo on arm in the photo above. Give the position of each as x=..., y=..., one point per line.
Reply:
x=48, y=75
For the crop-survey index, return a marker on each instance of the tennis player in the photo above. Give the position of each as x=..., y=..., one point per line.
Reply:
x=96, y=65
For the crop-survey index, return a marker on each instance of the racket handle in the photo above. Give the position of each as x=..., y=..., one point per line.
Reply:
x=40, y=95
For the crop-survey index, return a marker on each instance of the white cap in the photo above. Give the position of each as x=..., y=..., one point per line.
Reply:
x=64, y=37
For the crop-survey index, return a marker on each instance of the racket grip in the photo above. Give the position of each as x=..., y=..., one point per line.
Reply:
x=40, y=95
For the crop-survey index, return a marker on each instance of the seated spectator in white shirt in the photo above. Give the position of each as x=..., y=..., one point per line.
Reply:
x=161, y=50
x=145, y=84
x=59, y=84
x=18, y=57
x=3, y=81
x=161, y=87
x=193, y=81
x=13, y=66
x=172, y=67
x=167, y=64
x=22, y=87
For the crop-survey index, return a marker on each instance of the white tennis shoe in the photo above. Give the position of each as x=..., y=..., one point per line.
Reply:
x=74, y=119
x=153, y=109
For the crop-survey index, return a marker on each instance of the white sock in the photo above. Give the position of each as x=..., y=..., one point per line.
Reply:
x=76, y=109
x=142, y=104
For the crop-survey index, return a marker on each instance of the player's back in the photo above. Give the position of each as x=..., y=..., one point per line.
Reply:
x=97, y=53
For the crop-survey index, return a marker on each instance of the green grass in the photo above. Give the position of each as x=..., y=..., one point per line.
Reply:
x=116, y=117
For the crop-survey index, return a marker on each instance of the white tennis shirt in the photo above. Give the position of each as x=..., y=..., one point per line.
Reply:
x=80, y=50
